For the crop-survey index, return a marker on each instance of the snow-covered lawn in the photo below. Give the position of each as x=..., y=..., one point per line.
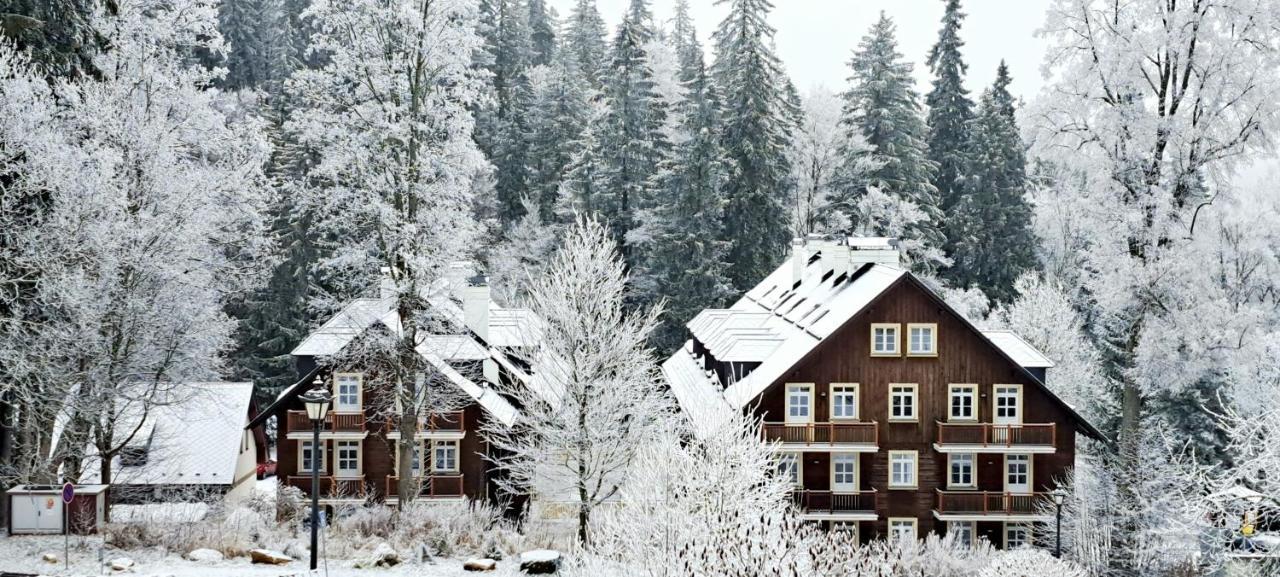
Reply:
x=24, y=554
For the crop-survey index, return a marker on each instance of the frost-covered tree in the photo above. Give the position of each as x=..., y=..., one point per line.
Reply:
x=755, y=131
x=816, y=153
x=522, y=255
x=950, y=111
x=596, y=402
x=556, y=116
x=584, y=40
x=253, y=30
x=59, y=33
x=542, y=33
x=585, y=187
x=387, y=116
x=151, y=191
x=881, y=104
x=990, y=236
x=502, y=119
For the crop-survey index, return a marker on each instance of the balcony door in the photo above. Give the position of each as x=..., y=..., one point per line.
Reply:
x=799, y=403
x=844, y=472
x=1017, y=474
x=1006, y=412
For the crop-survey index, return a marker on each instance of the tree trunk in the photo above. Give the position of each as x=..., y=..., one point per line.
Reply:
x=407, y=485
x=105, y=474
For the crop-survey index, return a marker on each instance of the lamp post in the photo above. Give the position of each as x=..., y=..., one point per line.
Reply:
x=317, y=403
x=1059, y=497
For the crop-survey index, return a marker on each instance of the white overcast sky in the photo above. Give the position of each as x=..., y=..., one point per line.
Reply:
x=815, y=38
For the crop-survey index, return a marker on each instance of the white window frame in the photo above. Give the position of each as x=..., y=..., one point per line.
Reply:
x=796, y=471
x=1028, y=535
x=436, y=445
x=996, y=395
x=969, y=527
x=962, y=389
x=338, y=405
x=1031, y=472
x=912, y=394
x=915, y=469
x=895, y=523
x=932, y=351
x=897, y=340
x=340, y=445
x=303, y=465
x=844, y=390
x=952, y=458
x=807, y=418
x=845, y=457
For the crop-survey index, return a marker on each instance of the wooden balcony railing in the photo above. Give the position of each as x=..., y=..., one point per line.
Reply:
x=990, y=502
x=862, y=433
x=987, y=434
x=432, y=486
x=442, y=422
x=330, y=486
x=833, y=502
x=333, y=422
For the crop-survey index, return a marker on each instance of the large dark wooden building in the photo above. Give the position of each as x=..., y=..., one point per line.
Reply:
x=893, y=414
x=478, y=347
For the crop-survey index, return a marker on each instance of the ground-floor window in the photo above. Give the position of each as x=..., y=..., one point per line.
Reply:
x=963, y=532
x=789, y=468
x=902, y=528
x=1017, y=535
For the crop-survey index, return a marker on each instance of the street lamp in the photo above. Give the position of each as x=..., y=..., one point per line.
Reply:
x=1059, y=497
x=317, y=403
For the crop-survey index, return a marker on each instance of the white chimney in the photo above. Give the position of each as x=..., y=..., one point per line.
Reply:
x=799, y=259
x=457, y=274
x=874, y=250
x=386, y=284
x=475, y=306
x=839, y=259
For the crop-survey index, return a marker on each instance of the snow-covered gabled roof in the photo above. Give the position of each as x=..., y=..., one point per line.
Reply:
x=1017, y=349
x=697, y=392
x=490, y=400
x=349, y=323
x=194, y=435
x=513, y=327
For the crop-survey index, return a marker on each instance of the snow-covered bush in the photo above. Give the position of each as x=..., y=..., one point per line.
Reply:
x=231, y=531
x=1030, y=563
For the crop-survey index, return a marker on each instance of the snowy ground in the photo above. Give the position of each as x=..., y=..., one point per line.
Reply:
x=23, y=554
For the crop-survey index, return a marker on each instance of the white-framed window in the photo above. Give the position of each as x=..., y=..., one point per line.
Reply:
x=922, y=339
x=902, y=402
x=799, y=403
x=963, y=403
x=963, y=532
x=1017, y=469
x=844, y=400
x=348, y=458
x=844, y=472
x=1017, y=535
x=789, y=468
x=444, y=456
x=902, y=528
x=903, y=469
x=960, y=467
x=884, y=339
x=307, y=459
x=346, y=392
x=1007, y=400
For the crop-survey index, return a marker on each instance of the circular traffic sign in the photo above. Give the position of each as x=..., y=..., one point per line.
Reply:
x=68, y=492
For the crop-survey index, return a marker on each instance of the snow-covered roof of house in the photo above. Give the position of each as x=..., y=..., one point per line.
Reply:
x=192, y=436
x=1017, y=349
x=697, y=391
x=781, y=320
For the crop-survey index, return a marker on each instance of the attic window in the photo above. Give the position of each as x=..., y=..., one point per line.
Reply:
x=771, y=289
x=784, y=300
x=797, y=303
x=133, y=456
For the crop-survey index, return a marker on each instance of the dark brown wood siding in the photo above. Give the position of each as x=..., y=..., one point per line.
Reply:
x=964, y=357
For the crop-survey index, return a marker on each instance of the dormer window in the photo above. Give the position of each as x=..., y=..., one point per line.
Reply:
x=346, y=392
x=884, y=339
x=922, y=340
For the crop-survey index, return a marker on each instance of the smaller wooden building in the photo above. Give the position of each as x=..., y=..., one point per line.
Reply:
x=39, y=510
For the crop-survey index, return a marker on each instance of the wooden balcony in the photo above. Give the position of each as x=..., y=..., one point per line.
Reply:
x=836, y=506
x=991, y=438
x=298, y=422
x=451, y=422
x=331, y=487
x=432, y=487
x=990, y=505
x=856, y=436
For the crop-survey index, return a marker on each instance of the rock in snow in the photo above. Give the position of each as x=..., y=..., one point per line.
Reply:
x=474, y=564
x=49, y=558
x=540, y=561
x=206, y=555
x=120, y=564
x=298, y=549
x=383, y=556
x=269, y=557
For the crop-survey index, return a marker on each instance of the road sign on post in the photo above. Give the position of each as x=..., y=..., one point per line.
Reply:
x=68, y=494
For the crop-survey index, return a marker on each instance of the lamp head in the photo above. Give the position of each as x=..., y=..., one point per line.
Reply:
x=317, y=400
x=1059, y=496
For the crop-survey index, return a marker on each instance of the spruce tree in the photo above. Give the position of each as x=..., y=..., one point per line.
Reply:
x=994, y=242
x=542, y=33
x=755, y=134
x=58, y=33
x=557, y=114
x=501, y=124
x=687, y=263
x=882, y=105
x=950, y=112
x=585, y=40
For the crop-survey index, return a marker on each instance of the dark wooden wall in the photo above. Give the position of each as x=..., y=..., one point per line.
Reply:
x=964, y=356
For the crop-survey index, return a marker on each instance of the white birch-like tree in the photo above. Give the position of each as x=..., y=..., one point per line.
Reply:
x=388, y=116
x=595, y=400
